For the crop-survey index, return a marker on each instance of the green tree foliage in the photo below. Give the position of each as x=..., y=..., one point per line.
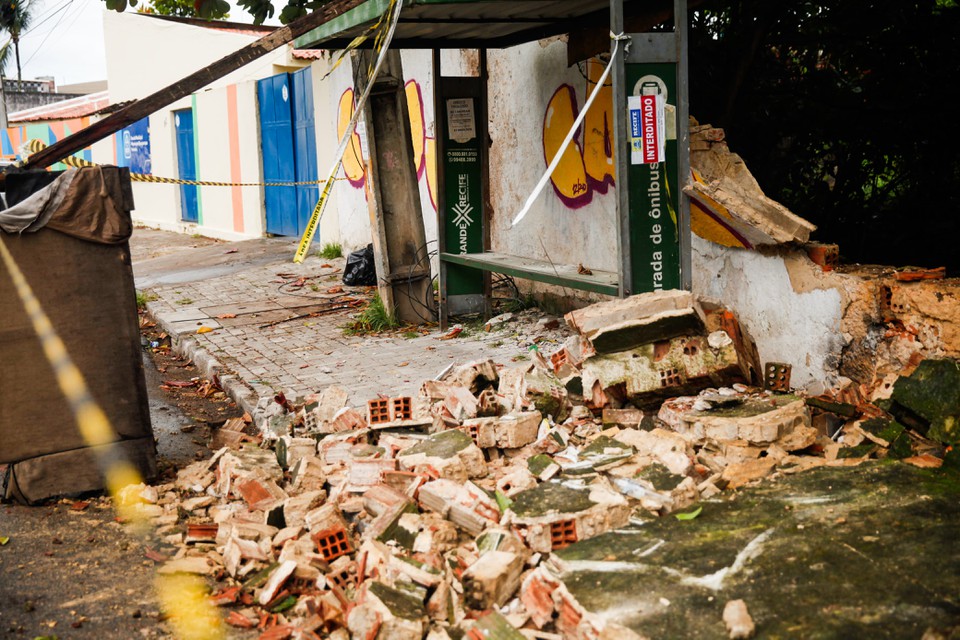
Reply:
x=845, y=111
x=206, y=9
x=261, y=10
x=15, y=18
x=187, y=9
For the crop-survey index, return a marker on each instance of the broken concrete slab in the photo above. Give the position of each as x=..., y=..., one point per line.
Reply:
x=553, y=515
x=652, y=372
x=383, y=611
x=724, y=192
x=618, y=325
x=811, y=526
x=759, y=420
x=450, y=454
x=510, y=431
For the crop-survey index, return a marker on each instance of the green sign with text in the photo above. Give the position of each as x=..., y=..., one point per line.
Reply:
x=463, y=197
x=654, y=195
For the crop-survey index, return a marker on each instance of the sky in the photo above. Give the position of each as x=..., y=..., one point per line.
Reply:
x=66, y=41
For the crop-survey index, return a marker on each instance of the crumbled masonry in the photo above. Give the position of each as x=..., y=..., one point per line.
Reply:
x=442, y=515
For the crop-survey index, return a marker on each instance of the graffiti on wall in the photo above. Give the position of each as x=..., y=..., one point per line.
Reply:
x=13, y=138
x=587, y=165
x=424, y=146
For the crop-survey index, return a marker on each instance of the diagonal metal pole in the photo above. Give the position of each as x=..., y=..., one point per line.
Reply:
x=184, y=87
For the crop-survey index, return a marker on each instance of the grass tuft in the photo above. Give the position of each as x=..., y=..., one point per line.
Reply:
x=143, y=297
x=373, y=319
x=330, y=251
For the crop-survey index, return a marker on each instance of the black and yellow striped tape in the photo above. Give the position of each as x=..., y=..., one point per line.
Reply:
x=35, y=145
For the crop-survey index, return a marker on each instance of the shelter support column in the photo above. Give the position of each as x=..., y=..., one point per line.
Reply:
x=396, y=217
x=651, y=127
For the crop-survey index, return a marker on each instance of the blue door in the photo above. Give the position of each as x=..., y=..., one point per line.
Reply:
x=276, y=141
x=305, y=146
x=186, y=165
x=289, y=150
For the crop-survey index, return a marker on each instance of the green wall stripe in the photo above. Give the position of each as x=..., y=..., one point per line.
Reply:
x=196, y=156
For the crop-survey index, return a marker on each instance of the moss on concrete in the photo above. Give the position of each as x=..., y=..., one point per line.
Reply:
x=401, y=604
x=550, y=497
x=929, y=400
x=857, y=552
x=445, y=444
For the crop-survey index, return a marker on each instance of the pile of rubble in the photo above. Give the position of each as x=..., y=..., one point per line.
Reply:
x=433, y=516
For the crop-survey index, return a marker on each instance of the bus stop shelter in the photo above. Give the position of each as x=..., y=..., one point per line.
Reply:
x=653, y=238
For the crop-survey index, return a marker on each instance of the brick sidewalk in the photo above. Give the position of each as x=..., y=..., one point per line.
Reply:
x=254, y=359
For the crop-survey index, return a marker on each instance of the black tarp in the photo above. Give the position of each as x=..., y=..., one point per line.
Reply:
x=78, y=266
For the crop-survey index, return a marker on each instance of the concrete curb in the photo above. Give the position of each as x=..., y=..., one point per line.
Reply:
x=209, y=367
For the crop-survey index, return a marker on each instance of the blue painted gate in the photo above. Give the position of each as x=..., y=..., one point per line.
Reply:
x=186, y=164
x=289, y=150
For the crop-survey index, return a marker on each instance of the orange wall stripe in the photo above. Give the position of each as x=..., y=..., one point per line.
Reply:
x=233, y=126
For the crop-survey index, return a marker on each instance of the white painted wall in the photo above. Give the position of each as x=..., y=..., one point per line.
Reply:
x=145, y=54
x=347, y=219
x=178, y=50
x=801, y=328
x=522, y=81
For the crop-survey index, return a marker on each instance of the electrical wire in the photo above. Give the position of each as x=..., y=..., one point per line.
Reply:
x=414, y=275
x=49, y=33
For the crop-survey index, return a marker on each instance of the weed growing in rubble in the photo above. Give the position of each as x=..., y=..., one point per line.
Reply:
x=372, y=319
x=330, y=251
x=143, y=298
x=518, y=304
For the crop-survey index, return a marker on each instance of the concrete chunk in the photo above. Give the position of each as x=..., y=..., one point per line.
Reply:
x=618, y=325
x=492, y=580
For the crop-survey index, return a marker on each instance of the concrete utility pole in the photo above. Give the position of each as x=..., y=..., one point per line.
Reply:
x=399, y=239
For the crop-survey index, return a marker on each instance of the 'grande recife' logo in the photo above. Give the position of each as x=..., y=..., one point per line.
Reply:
x=463, y=209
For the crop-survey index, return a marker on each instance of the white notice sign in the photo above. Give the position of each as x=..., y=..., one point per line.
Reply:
x=461, y=122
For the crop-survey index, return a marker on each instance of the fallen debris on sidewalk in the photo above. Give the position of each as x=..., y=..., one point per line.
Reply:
x=441, y=515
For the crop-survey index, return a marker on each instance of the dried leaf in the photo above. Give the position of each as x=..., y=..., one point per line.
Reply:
x=181, y=384
x=452, y=334
x=226, y=316
x=4, y=540
x=204, y=330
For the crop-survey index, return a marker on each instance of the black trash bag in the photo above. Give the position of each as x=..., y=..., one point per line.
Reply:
x=360, y=270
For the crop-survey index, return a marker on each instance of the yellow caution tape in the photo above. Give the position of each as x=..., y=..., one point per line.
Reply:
x=314, y=221
x=35, y=145
x=381, y=44
x=191, y=613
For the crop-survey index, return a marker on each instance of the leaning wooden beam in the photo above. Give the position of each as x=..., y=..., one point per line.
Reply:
x=170, y=94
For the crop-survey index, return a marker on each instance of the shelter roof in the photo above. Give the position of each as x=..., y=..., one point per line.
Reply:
x=465, y=24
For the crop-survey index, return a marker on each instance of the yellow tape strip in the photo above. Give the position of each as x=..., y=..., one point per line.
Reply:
x=314, y=221
x=184, y=598
x=35, y=145
x=381, y=44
